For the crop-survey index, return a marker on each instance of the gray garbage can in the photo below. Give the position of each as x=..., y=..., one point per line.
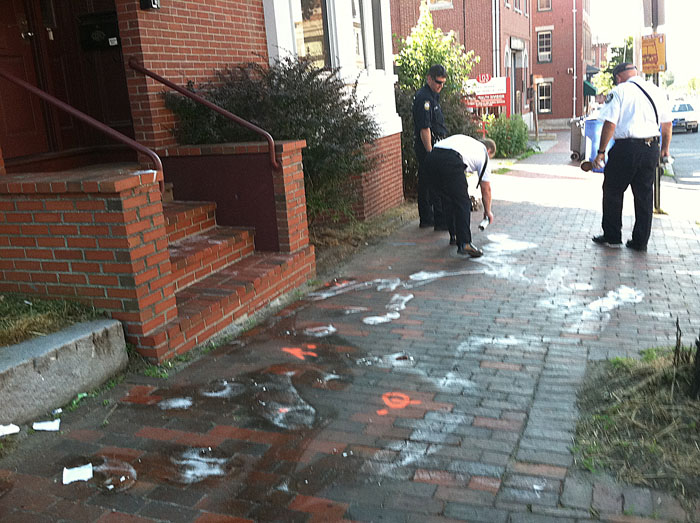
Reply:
x=578, y=141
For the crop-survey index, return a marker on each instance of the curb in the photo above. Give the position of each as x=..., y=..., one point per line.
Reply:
x=43, y=373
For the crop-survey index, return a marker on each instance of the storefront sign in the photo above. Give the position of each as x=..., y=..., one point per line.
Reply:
x=489, y=93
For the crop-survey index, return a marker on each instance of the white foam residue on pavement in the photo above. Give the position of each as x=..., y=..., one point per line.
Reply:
x=398, y=302
x=175, y=403
x=502, y=243
x=376, y=320
x=196, y=466
x=320, y=332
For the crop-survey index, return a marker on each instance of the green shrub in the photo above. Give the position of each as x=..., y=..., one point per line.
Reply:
x=510, y=135
x=292, y=100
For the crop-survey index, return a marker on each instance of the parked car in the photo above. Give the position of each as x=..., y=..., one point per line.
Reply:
x=684, y=117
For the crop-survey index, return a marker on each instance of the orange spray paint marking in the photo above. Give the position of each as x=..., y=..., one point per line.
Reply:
x=283, y=410
x=299, y=353
x=396, y=400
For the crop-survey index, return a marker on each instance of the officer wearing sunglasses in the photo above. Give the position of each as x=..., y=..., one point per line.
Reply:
x=429, y=127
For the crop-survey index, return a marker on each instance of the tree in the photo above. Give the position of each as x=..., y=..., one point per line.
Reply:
x=603, y=80
x=427, y=46
x=668, y=78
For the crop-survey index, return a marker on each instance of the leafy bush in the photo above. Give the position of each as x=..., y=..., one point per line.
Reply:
x=510, y=135
x=425, y=47
x=292, y=100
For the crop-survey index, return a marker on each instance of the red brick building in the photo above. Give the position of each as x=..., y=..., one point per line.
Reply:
x=83, y=216
x=562, y=50
x=497, y=30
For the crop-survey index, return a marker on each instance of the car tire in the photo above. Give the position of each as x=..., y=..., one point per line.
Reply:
x=695, y=130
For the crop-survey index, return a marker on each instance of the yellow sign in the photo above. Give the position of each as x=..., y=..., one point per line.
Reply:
x=653, y=53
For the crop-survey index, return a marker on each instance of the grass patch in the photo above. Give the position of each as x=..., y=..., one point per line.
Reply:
x=502, y=170
x=639, y=422
x=23, y=318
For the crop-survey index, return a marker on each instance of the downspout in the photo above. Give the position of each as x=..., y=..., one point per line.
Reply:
x=496, y=28
x=574, y=99
x=464, y=24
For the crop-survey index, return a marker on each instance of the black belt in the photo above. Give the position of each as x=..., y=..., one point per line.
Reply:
x=646, y=141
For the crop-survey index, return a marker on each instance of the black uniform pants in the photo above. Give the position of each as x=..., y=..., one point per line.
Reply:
x=445, y=170
x=430, y=206
x=630, y=163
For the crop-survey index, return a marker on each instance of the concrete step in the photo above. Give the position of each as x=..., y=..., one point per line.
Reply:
x=184, y=219
x=197, y=256
x=212, y=304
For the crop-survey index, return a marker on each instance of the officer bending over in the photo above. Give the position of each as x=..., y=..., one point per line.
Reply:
x=446, y=167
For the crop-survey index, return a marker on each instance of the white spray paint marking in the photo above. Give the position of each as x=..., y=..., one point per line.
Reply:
x=596, y=315
x=355, y=310
x=376, y=320
x=501, y=243
x=196, y=466
x=222, y=389
x=390, y=284
x=320, y=332
x=175, y=403
x=398, y=302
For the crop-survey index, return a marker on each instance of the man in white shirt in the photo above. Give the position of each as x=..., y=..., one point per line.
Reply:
x=446, y=167
x=633, y=111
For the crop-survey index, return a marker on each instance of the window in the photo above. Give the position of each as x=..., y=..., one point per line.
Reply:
x=378, y=34
x=516, y=5
x=544, y=5
x=544, y=97
x=544, y=46
x=527, y=7
x=311, y=32
x=358, y=34
x=506, y=3
x=434, y=5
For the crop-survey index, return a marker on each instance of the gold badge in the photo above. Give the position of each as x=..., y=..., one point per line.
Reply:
x=426, y=106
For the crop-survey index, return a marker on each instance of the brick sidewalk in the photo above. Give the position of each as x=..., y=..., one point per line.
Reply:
x=417, y=386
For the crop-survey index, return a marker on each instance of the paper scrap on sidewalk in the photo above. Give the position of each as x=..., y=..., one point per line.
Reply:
x=82, y=473
x=6, y=430
x=51, y=426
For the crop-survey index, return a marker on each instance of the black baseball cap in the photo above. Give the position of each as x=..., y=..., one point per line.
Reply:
x=619, y=68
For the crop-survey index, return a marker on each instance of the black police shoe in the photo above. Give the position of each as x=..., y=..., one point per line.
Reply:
x=468, y=249
x=636, y=246
x=602, y=240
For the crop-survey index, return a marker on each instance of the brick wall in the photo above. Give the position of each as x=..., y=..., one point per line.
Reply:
x=184, y=40
x=97, y=237
x=382, y=188
x=290, y=197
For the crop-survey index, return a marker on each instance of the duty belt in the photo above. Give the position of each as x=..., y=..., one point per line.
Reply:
x=646, y=141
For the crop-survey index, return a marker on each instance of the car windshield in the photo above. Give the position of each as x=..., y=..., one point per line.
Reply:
x=681, y=108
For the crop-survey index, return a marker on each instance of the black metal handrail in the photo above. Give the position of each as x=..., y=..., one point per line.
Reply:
x=134, y=64
x=87, y=119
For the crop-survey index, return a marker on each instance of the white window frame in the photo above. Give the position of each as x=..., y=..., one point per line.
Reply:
x=517, y=6
x=544, y=57
x=540, y=2
x=540, y=98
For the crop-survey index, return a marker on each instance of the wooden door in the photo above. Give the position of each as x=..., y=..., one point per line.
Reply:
x=22, y=124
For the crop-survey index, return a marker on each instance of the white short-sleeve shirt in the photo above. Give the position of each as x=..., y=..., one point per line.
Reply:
x=472, y=151
x=631, y=111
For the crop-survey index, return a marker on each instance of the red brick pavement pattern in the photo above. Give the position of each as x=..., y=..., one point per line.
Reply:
x=461, y=409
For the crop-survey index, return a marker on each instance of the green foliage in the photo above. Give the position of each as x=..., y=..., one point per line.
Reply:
x=427, y=46
x=510, y=135
x=603, y=81
x=156, y=371
x=292, y=100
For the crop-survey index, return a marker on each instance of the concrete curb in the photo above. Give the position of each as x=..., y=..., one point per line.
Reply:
x=44, y=373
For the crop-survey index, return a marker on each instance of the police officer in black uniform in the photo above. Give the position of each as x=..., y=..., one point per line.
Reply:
x=633, y=112
x=429, y=127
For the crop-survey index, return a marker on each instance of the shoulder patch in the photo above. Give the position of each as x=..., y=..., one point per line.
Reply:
x=426, y=106
x=608, y=98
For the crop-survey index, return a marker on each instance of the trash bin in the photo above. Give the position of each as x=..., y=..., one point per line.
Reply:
x=593, y=130
x=578, y=142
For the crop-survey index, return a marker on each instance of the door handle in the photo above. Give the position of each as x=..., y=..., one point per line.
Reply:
x=27, y=35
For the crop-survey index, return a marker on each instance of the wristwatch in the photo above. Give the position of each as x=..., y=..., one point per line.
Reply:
x=601, y=151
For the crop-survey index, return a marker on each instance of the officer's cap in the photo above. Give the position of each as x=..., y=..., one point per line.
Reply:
x=624, y=66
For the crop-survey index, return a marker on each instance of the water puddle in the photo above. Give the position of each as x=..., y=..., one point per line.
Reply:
x=197, y=464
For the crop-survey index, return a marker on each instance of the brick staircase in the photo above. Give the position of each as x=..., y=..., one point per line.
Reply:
x=218, y=276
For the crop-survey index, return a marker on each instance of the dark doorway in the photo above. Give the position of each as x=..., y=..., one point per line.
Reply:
x=71, y=50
